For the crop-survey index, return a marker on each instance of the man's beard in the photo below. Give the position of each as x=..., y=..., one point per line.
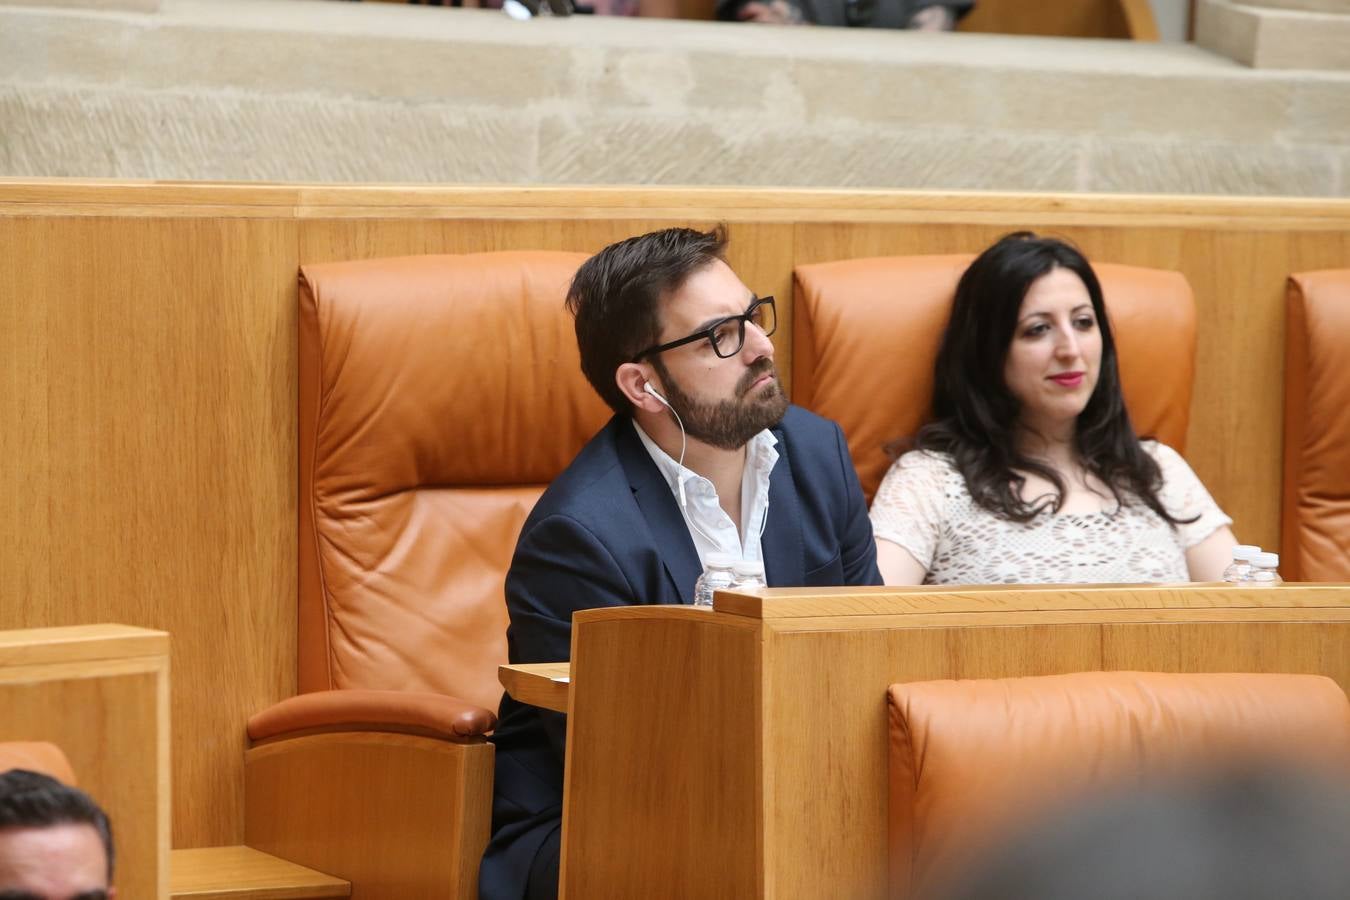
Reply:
x=729, y=424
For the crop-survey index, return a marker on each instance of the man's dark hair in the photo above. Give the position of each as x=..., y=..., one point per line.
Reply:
x=975, y=416
x=616, y=298
x=33, y=800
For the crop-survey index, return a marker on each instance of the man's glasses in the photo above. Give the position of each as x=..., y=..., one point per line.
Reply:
x=727, y=336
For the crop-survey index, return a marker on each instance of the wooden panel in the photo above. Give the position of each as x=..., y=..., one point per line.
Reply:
x=147, y=378
x=825, y=719
x=396, y=815
x=1007, y=604
x=669, y=748
x=817, y=669
x=243, y=873
x=110, y=715
x=1064, y=18
x=79, y=643
x=150, y=374
x=538, y=684
x=824, y=738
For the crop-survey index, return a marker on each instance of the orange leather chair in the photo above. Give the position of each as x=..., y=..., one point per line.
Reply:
x=438, y=396
x=866, y=335
x=973, y=759
x=37, y=756
x=1316, y=515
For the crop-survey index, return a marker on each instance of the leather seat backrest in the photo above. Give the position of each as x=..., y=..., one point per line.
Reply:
x=971, y=760
x=37, y=756
x=1315, y=536
x=438, y=396
x=866, y=335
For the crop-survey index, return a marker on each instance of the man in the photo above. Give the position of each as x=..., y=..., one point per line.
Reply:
x=703, y=455
x=55, y=842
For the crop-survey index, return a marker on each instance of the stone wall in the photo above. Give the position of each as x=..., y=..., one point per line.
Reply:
x=311, y=91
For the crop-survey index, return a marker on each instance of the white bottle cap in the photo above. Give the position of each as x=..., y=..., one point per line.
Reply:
x=721, y=561
x=1245, y=552
x=748, y=567
x=1266, y=560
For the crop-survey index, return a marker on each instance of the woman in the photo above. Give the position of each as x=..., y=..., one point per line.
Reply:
x=1031, y=472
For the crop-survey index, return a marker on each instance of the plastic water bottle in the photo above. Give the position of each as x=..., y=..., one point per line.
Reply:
x=717, y=576
x=749, y=575
x=1265, y=570
x=1241, y=565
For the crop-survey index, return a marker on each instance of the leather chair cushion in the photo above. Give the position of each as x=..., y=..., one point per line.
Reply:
x=971, y=757
x=866, y=335
x=1316, y=501
x=438, y=396
x=37, y=756
x=434, y=715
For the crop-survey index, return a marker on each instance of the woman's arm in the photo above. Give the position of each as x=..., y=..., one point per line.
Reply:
x=898, y=566
x=1207, y=559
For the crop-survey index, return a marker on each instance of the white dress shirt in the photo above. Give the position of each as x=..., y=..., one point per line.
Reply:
x=709, y=525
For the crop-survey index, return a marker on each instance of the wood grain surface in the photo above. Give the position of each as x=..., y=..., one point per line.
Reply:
x=243, y=873
x=101, y=694
x=817, y=753
x=147, y=378
x=538, y=684
x=662, y=795
x=397, y=815
x=1064, y=18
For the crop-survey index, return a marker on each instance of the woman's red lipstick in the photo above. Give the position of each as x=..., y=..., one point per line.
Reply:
x=1068, y=379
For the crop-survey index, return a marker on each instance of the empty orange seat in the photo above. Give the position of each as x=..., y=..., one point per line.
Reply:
x=970, y=760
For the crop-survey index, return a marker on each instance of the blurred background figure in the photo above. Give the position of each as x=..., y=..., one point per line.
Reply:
x=55, y=841
x=1251, y=834
x=921, y=15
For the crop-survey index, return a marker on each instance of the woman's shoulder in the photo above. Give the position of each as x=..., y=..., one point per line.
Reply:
x=1168, y=460
x=929, y=464
x=926, y=459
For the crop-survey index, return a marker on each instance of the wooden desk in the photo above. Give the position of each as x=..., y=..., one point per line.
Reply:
x=101, y=693
x=538, y=684
x=242, y=873
x=741, y=753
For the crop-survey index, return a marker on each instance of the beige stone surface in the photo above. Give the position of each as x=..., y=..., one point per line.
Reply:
x=132, y=5
x=294, y=90
x=1332, y=6
x=1270, y=38
x=1135, y=166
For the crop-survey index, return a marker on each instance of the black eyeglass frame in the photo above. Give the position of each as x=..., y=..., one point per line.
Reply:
x=709, y=332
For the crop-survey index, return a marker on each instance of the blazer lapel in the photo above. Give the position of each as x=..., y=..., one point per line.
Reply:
x=662, y=512
x=781, y=542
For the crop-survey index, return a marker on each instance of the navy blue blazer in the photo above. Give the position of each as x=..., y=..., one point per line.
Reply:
x=609, y=532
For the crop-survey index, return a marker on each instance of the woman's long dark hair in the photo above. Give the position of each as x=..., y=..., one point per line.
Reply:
x=975, y=415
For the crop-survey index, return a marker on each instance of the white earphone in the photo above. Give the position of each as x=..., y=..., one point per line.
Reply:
x=651, y=390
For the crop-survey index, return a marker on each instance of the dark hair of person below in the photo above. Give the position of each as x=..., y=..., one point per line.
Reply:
x=974, y=415
x=33, y=800
x=1256, y=833
x=616, y=298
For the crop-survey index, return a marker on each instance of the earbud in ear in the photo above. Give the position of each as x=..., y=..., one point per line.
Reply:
x=651, y=390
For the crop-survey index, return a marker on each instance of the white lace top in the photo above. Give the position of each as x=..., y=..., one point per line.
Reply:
x=923, y=506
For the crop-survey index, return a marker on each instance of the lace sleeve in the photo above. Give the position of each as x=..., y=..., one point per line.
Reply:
x=910, y=506
x=1184, y=496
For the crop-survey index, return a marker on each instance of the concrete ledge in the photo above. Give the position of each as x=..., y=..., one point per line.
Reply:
x=300, y=91
x=1267, y=38
x=1331, y=6
x=131, y=5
